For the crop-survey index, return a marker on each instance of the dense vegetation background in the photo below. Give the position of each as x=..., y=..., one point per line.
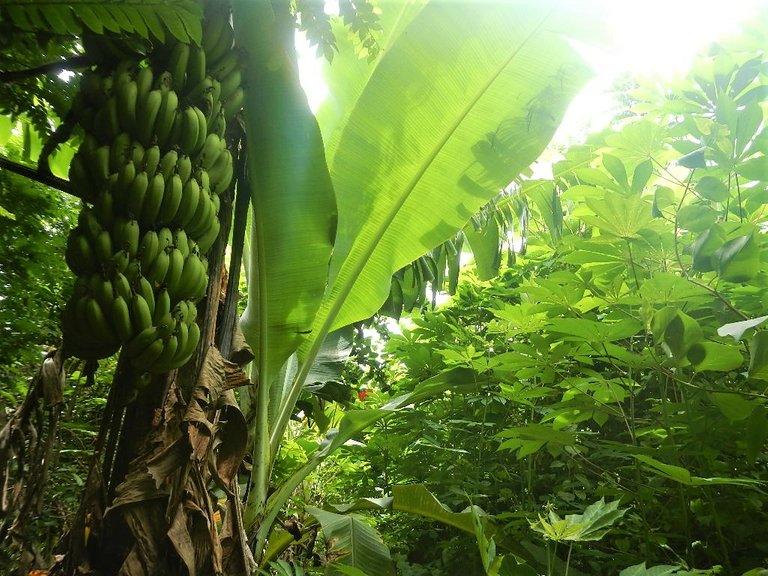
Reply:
x=602, y=365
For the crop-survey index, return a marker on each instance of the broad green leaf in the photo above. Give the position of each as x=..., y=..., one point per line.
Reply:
x=754, y=169
x=733, y=405
x=714, y=356
x=452, y=113
x=737, y=329
x=676, y=330
x=758, y=356
x=712, y=189
x=696, y=218
x=291, y=194
x=705, y=246
x=641, y=570
x=416, y=499
x=738, y=260
x=591, y=331
x=619, y=215
x=683, y=476
x=354, y=543
x=592, y=525
x=616, y=168
x=485, y=248
x=641, y=175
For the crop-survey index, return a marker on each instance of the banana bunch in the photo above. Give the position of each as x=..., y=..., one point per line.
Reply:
x=153, y=165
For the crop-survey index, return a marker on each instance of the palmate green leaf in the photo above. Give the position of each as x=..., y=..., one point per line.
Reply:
x=592, y=525
x=458, y=105
x=618, y=215
x=354, y=543
x=182, y=18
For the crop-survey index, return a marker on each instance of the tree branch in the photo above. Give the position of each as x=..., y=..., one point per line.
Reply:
x=81, y=61
x=38, y=176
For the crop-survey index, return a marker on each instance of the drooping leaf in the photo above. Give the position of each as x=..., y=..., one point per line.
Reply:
x=714, y=356
x=734, y=406
x=291, y=192
x=354, y=543
x=712, y=189
x=641, y=570
x=738, y=260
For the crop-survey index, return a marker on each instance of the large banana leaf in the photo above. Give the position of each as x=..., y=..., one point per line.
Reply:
x=291, y=192
x=462, y=100
x=461, y=103
x=293, y=210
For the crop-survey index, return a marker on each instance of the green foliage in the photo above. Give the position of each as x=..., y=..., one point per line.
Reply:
x=623, y=357
x=180, y=18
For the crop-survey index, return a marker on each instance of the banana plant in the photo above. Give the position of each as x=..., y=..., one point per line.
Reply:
x=460, y=102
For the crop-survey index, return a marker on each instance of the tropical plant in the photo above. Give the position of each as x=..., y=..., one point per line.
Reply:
x=324, y=239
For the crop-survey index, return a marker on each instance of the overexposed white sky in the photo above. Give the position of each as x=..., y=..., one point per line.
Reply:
x=656, y=38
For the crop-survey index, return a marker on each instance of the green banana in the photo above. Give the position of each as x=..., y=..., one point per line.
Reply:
x=140, y=342
x=122, y=185
x=184, y=167
x=203, y=179
x=190, y=131
x=181, y=241
x=146, y=116
x=166, y=117
x=97, y=322
x=168, y=163
x=166, y=325
x=175, y=268
x=104, y=207
x=190, y=277
x=147, y=357
x=122, y=286
x=133, y=271
x=213, y=27
x=119, y=152
x=202, y=131
x=102, y=247
x=196, y=67
x=130, y=240
x=120, y=261
x=223, y=44
x=208, y=238
x=153, y=200
x=102, y=290
x=165, y=237
x=190, y=197
x=163, y=363
x=137, y=153
x=171, y=200
x=141, y=316
x=101, y=164
x=177, y=65
x=197, y=93
x=79, y=177
x=210, y=151
x=158, y=269
x=126, y=99
x=221, y=173
x=151, y=160
x=164, y=82
x=79, y=254
x=234, y=103
x=162, y=306
x=89, y=223
x=230, y=83
x=148, y=249
x=144, y=288
x=137, y=192
x=226, y=65
x=121, y=318
x=144, y=80
x=202, y=218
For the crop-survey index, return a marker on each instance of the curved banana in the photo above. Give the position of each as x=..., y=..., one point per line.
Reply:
x=177, y=65
x=171, y=200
